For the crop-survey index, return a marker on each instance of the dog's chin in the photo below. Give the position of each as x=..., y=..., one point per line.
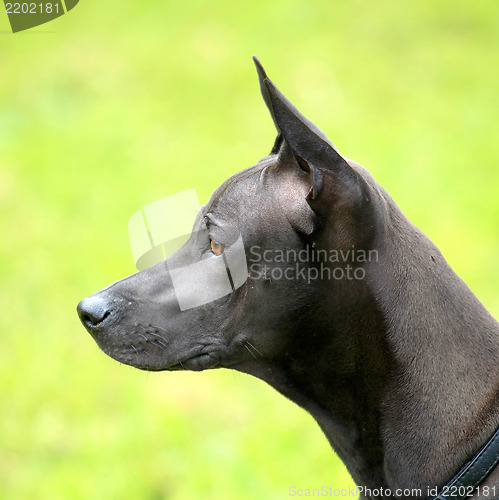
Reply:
x=195, y=364
x=147, y=362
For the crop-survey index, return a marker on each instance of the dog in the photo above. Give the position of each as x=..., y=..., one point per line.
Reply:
x=346, y=308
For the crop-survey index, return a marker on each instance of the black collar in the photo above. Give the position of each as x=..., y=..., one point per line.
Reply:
x=473, y=472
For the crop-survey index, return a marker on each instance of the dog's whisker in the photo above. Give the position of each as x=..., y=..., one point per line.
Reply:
x=159, y=344
x=250, y=351
x=157, y=335
x=249, y=343
x=158, y=328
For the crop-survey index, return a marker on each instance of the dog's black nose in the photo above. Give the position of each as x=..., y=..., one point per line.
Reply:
x=93, y=311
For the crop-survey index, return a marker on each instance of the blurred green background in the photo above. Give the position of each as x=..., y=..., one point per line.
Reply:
x=118, y=104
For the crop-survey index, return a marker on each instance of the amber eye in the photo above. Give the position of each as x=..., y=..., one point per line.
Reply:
x=217, y=248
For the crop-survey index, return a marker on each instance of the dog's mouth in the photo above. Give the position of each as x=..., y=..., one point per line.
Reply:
x=149, y=348
x=195, y=363
x=199, y=362
x=145, y=346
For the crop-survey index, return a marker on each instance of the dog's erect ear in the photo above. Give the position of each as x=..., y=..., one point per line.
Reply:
x=314, y=152
x=263, y=79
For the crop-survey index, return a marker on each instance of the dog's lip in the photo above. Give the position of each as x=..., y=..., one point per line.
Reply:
x=198, y=362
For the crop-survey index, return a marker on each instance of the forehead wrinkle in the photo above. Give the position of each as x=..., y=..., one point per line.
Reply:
x=248, y=172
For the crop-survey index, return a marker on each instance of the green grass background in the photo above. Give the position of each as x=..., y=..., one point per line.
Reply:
x=117, y=104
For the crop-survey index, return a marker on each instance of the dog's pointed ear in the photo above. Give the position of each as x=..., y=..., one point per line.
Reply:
x=314, y=152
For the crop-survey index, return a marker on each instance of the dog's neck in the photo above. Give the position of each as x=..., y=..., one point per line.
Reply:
x=441, y=403
x=408, y=390
x=339, y=376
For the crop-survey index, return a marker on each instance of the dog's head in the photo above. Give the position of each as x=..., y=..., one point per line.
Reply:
x=268, y=244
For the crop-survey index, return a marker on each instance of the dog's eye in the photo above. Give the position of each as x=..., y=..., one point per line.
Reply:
x=217, y=248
